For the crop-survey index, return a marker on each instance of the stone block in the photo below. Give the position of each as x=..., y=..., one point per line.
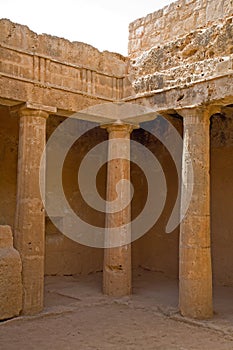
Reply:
x=188, y=15
x=10, y=276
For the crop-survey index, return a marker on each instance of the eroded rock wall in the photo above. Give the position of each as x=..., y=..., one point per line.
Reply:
x=175, y=21
x=185, y=51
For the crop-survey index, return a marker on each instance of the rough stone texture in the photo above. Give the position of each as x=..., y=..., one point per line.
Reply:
x=199, y=55
x=181, y=57
x=195, y=271
x=185, y=43
x=10, y=276
x=215, y=91
x=42, y=68
x=188, y=64
x=117, y=278
x=175, y=21
x=29, y=217
x=77, y=53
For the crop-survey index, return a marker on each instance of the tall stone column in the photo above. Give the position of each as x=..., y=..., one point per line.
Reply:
x=195, y=271
x=29, y=220
x=117, y=280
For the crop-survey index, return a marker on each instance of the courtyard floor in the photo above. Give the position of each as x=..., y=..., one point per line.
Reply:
x=77, y=316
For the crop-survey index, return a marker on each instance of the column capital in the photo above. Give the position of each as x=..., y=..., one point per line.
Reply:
x=36, y=110
x=202, y=112
x=120, y=127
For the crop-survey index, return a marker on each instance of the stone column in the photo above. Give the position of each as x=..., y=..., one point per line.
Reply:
x=117, y=280
x=29, y=220
x=195, y=272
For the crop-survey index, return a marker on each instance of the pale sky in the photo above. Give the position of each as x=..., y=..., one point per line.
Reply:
x=101, y=23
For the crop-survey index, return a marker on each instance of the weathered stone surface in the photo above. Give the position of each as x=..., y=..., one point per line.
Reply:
x=30, y=217
x=195, y=270
x=218, y=91
x=181, y=58
x=42, y=68
x=222, y=129
x=77, y=53
x=117, y=275
x=10, y=276
x=175, y=21
x=199, y=55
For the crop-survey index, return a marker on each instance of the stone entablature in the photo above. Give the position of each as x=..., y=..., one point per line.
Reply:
x=52, y=73
x=42, y=68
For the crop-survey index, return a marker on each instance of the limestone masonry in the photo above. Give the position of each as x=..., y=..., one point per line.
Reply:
x=175, y=21
x=180, y=65
x=187, y=42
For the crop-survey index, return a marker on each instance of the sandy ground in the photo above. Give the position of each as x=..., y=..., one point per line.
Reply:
x=78, y=316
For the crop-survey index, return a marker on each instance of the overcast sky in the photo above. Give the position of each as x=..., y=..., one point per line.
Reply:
x=101, y=23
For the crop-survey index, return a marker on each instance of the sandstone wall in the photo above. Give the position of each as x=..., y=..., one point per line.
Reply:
x=159, y=251
x=182, y=46
x=51, y=64
x=77, y=53
x=200, y=51
x=221, y=197
x=156, y=250
x=42, y=68
x=198, y=56
x=175, y=21
x=63, y=256
x=9, y=136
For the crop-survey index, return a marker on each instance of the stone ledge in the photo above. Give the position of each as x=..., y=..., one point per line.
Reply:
x=184, y=75
x=217, y=91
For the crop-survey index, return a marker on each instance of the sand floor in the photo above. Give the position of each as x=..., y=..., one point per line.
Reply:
x=78, y=316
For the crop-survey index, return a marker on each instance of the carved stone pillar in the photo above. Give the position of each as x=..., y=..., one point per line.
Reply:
x=29, y=220
x=195, y=271
x=117, y=280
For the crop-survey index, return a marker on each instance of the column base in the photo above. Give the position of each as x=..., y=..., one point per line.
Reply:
x=33, y=285
x=117, y=275
x=195, y=299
